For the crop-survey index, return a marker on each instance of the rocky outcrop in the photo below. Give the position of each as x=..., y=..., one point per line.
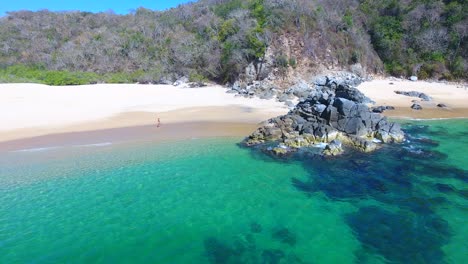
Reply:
x=416, y=107
x=423, y=96
x=442, y=105
x=333, y=149
x=342, y=83
x=332, y=114
x=381, y=109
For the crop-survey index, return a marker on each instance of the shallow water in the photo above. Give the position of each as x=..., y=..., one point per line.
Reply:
x=211, y=201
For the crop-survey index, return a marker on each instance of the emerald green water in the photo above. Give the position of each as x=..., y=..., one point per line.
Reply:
x=211, y=201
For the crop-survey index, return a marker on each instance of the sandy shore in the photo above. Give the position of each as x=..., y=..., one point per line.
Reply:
x=382, y=91
x=33, y=115
x=31, y=110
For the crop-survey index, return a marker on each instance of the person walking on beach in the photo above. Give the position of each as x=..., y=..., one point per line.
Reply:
x=159, y=122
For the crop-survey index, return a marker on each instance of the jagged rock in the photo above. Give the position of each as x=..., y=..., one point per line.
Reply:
x=290, y=104
x=280, y=150
x=351, y=93
x=181, y=81
x=333, y=149
x=164, y=81
x=324, y=117
x=320, y=81
x=442, y=105
x=423, y=96
x=300, y=90
x=358, y=69
x=416, y=107
x=381, y=109
x=196, y=84
x=283, y=98
x=250, y=72
x=267, y=95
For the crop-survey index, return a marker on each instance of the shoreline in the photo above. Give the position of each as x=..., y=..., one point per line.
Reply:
x=221, y=115
x=142, y=133
x=32, y=110
x=60, y=112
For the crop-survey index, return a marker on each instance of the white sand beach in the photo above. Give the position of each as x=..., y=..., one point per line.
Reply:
x=454, y=96
x=28, y=110
x=31, y=110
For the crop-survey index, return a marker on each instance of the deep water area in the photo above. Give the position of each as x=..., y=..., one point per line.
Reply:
x=212, y=201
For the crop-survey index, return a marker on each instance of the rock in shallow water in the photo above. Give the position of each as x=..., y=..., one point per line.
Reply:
x=324, y=117
x=333, y=149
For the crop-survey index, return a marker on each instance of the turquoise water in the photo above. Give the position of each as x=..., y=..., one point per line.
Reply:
x=211, y=201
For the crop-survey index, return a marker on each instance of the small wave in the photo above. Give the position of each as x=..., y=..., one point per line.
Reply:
x=435, y=119
x=36, y=149
x=103, y=144
x=414, y=150
x=320, y=145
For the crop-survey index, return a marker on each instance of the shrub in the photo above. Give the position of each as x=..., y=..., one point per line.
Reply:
x=196, y=77
x=281, y=61
x=293, y=62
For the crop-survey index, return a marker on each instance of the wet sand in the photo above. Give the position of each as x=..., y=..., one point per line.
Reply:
x=140, y=133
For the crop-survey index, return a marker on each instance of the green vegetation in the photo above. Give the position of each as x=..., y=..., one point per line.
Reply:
x=427, y=38
x=217, y=39
x=38, y=74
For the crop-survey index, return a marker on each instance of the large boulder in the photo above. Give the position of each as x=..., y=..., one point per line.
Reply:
x=351, y=93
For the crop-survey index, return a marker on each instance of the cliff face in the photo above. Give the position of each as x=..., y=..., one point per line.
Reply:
x=333, y=113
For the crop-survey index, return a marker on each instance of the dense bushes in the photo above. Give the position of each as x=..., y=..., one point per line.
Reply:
x=38, y=74
x=425, y=38
x=218, y=39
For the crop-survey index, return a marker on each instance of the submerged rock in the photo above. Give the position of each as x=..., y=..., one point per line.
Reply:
x=272, y=256
x=284, y=235
x=333, y=149
x=324, y=117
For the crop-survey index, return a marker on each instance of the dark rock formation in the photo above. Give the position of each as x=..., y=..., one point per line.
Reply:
x=342, y=83
x=381, y=109
x=442, y=105
x=284, y=235
x=334, y=148
x=324, y=117
x=423, y=96
x=416, y=107
x=196, y=84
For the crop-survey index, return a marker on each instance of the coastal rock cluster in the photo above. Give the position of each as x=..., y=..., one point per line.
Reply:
x=299, y=91
x=333, y=115
x=422, y=96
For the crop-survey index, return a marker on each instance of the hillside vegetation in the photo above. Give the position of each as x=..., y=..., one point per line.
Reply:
x=219, y=39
